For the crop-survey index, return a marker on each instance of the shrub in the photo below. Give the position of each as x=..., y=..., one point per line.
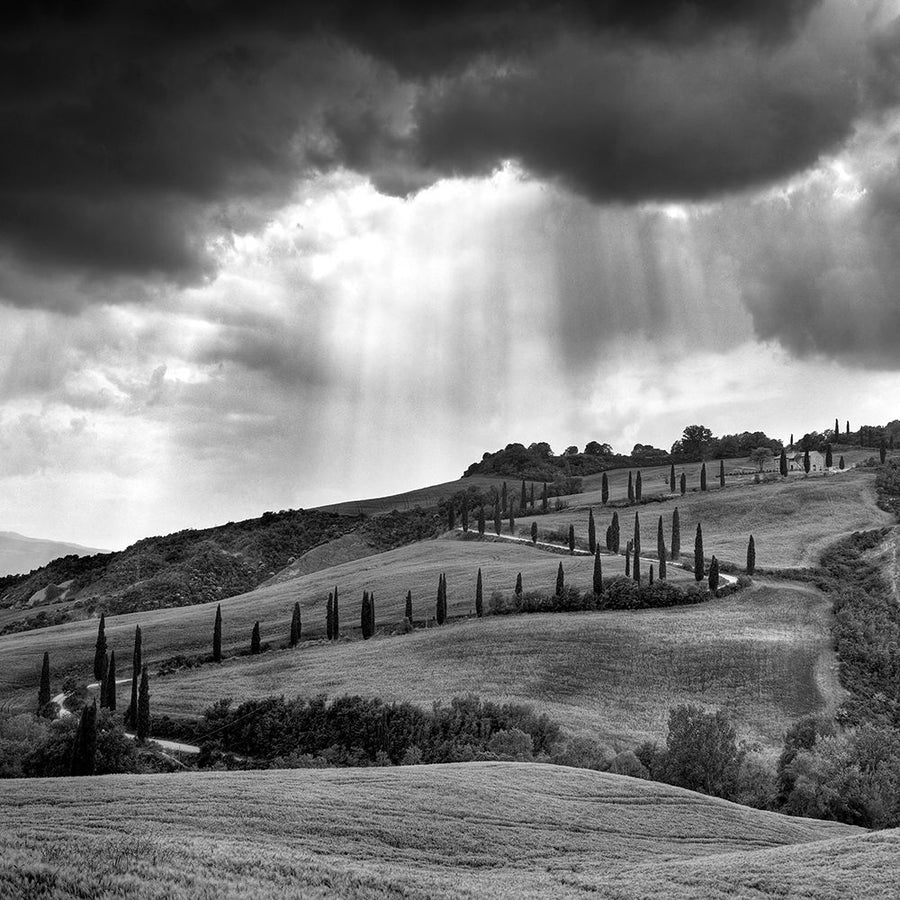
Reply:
x=512, y=744
x=622, y=593
x=582, y=753
x=627, y=763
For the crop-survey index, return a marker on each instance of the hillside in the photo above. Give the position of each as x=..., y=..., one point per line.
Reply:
x=20, y=554
x=192, y=566
x=508, y=830
x=765, y=656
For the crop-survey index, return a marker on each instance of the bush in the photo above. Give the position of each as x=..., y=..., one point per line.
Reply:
x=582, y=753
x=627, y=763
x=511, y=744
x=621, y=593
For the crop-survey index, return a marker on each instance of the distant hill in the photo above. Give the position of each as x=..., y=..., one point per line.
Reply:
x=191, y=566
x=19, y=553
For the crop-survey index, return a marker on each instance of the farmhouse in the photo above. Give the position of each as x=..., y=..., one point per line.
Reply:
x=816, y=462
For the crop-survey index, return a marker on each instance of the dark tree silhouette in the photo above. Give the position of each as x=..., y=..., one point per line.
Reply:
x=441, y=605
x=372, y=613
x=364, y=616
x=409, y=610
x=102, y=683
x=296, y=626
x=571, y=539
x=560, y=580
x=481, y=520
x=329, y=618
x=544, y=501
x=498, y=521
x=523, y=500
x=598, y=574
x=638, y=488
x=143, y=714
x=616, y=535
x=604, y=489
x=512, y=520
x=519, y=584
x=592, y=532
x=254, y=639
x=479, y=596
x=698, y=554
x=806, y=461
x=44, y=694
x=136, y=663
x=451, y=515
x=829, y=457
x=503, y=499
x=714, y=574
x=534, y=532
x=630, y=488
x=532, y=498
x=841, y=463
x=100, y=649
x=676, y=536
x=464, y=514
x=672, y=477
x=703, y=476
x=84, y=749
x=217, y=635
x=751, y=556
x=650, y=578
x=628, y=560
x=637, y=549
x=111, y=682
x=683, y=483
x=336, y=616
x=782, y=463
x=661, y=550
x=721, y=473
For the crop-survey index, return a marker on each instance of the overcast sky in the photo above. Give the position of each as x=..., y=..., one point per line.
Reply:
x=252, y=261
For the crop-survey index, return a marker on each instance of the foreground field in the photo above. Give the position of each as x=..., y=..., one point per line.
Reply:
x=764, y=655
x=792, y=522
x=506, y=830
x=188, y=630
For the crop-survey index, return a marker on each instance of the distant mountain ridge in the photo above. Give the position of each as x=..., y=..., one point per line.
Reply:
x=20, y=554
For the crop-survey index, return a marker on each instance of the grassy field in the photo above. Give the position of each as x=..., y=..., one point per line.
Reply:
x=792, y=522
x=188, y=630
x=507, y=830
x=764, y=655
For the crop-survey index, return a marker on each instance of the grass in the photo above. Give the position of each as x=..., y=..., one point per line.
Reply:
x=503, y=829
x=764, y=655
x=188, y=630
x=792, y=522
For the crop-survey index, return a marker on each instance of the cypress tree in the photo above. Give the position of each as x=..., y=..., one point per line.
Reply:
x=364, y=616
x=512, y=520
x=335, y=617
x=481, y=520
x=598, y=574
x=609, y=537
x=439, y=605
x=451, y=515
x=628, y=560
x=102, y=684
x=782, y=463
x=848, y=426
x=44, y=695
x=523, y=500
x=84, y=749
x=630, y=488
x=329, y=618
x=672, y=477
x=792, y=440
x=661, y=550
x=604, y=489
x=721, y=473
x=544, y=502
x=534, y=532
x=532, y=498
x=638, y=487
x=676, y=536
x=143, y=716
x=616, y=537
x=503, y=499
x=372, y=613
x=806, y=461
x=464, y=510
x=498, y=522
x=131, y=712
x=560, y=581
x=714, y=574
x=217, y=635
x=592, y=532
x=751, y=556
x=683, y=483
x=571, y=539
x=841, y=463
x=519, y=584
x=650, y=579
x=829, y=458
x=479, y=596
x=111, y=682
x=703, y=476
x=254, y=639
x=698, y=554
x=637, y=549
x=409, y=611
x=100, y=649
x=296, y=625
x=837, y=429
x=882, y=451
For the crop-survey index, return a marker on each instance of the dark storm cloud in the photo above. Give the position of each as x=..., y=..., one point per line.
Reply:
x=137, y=135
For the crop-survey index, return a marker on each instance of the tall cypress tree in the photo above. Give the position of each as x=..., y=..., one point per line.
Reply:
x=829, y=457
x=616, y=537
x=512, y=520
x=628, y=560
x=571, y=539
x=296, y=625
x=498, y=522
x=409, y=609
x=451, y=515
x=751, y=556
x=143, y=714
x=84, y=749
x=698, y=554
x=841, y=463
x=100, y=649
x=503, y=499
x=102, y=684
x=598, y=574
x=479, y=596
x=255, y=643
x=335, y=617
x=44, y=695
x=329, y=618
x=806, y=461
x=676, y=535
x=131, y=712
x=630, y=488
x=534, y=532
x=721, y=473
x=848, y=426
x=609, y=537
x=364, y=616
x=464, y=510
x=560, y=581
x=544, y=500
x=111, y=682
x=532, y=498
x=650, y=578
x=372, y=613
x=683, y=483
x=661, y=550
x=481, y=520
x=638, y=487
x=714, y=574
x=523, y=499
x=604, y=489
x=592, y=532
x=217, y=635
x=782, y=463
x=637, y=549
x=703, y=476
x=672, y=477
x=837, y=429
x=792, y=441
x=439, y=605
x=519, y=584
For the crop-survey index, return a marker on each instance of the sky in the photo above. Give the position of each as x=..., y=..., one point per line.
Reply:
x=255, y=258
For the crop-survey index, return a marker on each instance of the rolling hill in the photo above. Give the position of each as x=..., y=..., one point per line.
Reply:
x=509, y=830
x=19, y=554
